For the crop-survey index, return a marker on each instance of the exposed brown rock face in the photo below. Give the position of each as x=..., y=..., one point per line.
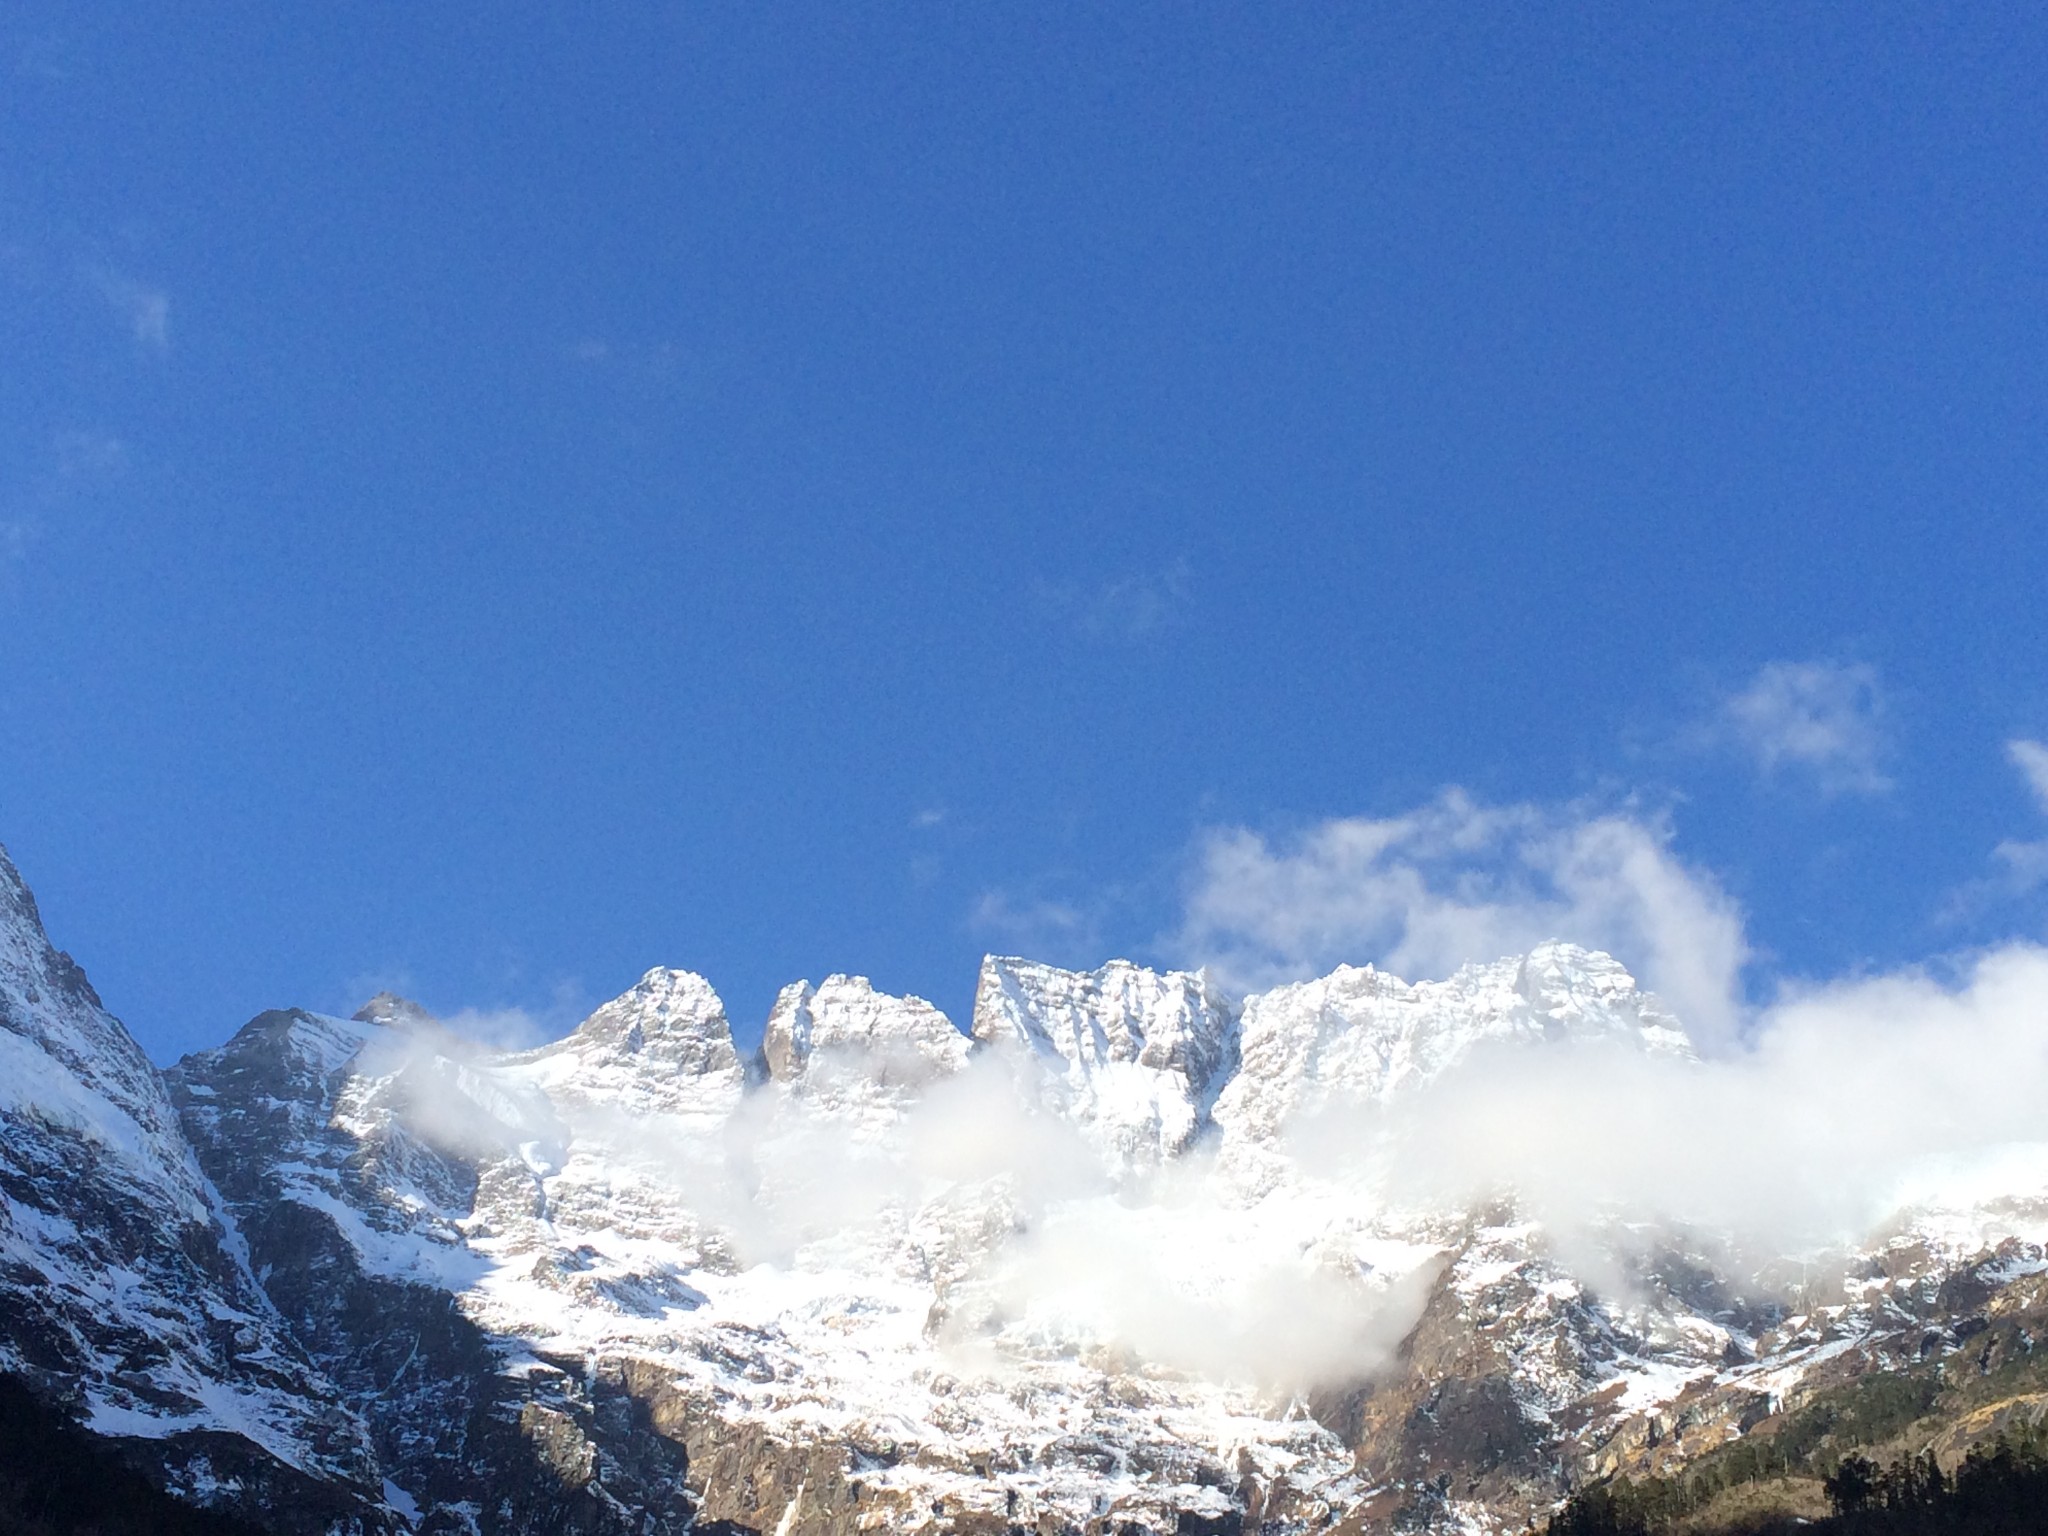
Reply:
x=374, y=1278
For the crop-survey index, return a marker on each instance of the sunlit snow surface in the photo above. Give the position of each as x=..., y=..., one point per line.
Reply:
x=1111, y=1226
x=114, y=1247
x=833, y=1253
x=1083, y=1256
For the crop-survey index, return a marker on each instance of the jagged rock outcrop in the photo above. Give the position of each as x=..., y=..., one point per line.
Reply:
x=842, y=1045
x=664, y=1047
x=1092, y=1267
x=1135, y=1056
x=358, y=1154
x=127, y=1295
x=1359, y=1037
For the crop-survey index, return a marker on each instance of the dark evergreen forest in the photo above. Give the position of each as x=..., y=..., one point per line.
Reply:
x=2001, y=1489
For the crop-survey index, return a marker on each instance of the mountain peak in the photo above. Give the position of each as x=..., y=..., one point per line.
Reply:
x=1362, y=1036
x=124, y=1286
x=1136, y=1054
x=385, y=1257
x=25, y=949
x=389, y=1008
x=668, y=1013
x=851, y=1029
x=664, y=1045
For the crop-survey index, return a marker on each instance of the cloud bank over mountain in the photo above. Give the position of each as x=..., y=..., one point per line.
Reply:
x=1453, y=880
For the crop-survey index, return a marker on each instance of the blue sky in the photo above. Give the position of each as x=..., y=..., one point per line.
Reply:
x=493, y=500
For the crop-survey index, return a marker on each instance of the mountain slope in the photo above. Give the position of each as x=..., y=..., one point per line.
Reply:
x=1127, y=1255
x=355, y=1152
x=126, y=1295
x=890, y=1275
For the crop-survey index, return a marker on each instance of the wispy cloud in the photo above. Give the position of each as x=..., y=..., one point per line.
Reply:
x=1454, y=880
x=1124, y=608
x=145, y=310
x=2026, y=863
x=1824, y=720
x=1040, y=927
x=508, y=1029
x=508, y=1026
x=1856, y=1098
x=76, y=464
x=513, y=1026
x=626, y=357
x=16, y=534
x=2031, y=758
x=83, y=458
x=2019, y=865
x=364, y=985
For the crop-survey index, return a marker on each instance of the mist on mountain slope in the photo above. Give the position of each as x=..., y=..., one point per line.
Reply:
x=1803, y=1126
x=1807, y=1120
x=1849, y=1106
x=1848, y=1103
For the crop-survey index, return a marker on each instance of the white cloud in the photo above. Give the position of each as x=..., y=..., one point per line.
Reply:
x=2027, y=862
x=1821, y=718
x=1453, y=881
x=1851, y=1100
x=507, y=1029
x=2031, y=758
x=1836, y=1107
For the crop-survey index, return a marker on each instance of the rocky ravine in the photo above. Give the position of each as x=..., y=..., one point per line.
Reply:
x=1081, y=1271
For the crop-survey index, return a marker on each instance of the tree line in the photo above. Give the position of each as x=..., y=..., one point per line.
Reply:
x=1999, y=1489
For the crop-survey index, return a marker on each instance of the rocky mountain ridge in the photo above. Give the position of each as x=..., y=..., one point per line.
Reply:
x=1081, y=1268
x=130, y=1299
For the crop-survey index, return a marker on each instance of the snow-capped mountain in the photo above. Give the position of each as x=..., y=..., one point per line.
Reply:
x=1123, y=1256
x=127, y=1295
